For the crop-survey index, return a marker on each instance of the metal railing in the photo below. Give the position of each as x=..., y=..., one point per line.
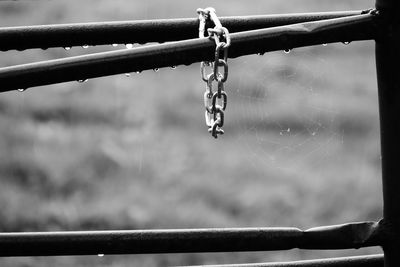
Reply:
x=249, y=35
x=346, y=236
x=353, y=26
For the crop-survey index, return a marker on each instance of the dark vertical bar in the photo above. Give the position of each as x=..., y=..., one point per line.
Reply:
x=388, y=73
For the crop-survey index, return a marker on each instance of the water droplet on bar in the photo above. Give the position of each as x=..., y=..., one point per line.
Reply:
x=129, y=46
x=287, y=51
x=282, y=132
x=346, y=43
x=115, y=45
x=127, y=74
x=82, y=80
x=260, y=54
x=85, y=46
x=173, y=67
x=324, y=44
x=21, y=90
x=156, y=69
x=67, y=48
x=100, y=255
x=138, y=71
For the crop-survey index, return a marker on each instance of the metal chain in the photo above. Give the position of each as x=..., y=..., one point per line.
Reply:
x=215, y=102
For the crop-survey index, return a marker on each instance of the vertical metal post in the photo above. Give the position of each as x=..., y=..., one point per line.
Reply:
x=388, y=74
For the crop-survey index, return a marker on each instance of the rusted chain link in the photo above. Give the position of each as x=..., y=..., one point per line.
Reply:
x=215, y=102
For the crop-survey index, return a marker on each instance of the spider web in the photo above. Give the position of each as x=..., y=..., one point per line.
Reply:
x=276, y=105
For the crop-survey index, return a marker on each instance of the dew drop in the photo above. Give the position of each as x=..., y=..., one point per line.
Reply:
x=67, y=48
x=21, y=90
x=138, y=71
x=85, y=46
x=156, y=69
x=287, y=51
x=260, y=54
x=282, y=132
x=346, y=43
x=129, y=46
x=324, y=44
x=100, y=255
x=82, y=80
x=173, y=67
x=127, y=74
x=115, y=45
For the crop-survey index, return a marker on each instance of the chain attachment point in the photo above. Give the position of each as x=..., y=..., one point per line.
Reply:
x=215, y=102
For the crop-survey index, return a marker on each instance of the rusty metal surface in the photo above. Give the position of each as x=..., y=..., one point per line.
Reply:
x=140, y=31
x=359, y=261
x=345, y=236
x=360, y=27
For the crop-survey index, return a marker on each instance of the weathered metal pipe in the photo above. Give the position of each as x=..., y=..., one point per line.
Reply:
x=388, y=74
x=360, y=27
x=353, y=235
x=140, y=31
x=359, y=261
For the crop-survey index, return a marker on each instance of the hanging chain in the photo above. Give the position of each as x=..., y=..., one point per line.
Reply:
x=215, y=102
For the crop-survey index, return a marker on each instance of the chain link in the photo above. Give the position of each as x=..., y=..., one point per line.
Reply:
x=215, y=102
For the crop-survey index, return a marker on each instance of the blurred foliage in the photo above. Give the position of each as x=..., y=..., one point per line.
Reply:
x=301, y=146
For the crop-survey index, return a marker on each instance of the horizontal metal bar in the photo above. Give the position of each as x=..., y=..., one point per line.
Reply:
x=358, y=261
x=360, y=27
x=141, y=31
x=353, y=235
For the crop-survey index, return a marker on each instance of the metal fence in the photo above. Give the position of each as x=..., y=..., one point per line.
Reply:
x=249, y=35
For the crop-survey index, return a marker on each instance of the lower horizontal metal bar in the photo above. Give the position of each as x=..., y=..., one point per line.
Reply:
x=140, y=31
x=346, y=236
x=359, y=261
x=360, y=27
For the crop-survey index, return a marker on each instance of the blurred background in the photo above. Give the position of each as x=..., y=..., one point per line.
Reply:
x=132, y=152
